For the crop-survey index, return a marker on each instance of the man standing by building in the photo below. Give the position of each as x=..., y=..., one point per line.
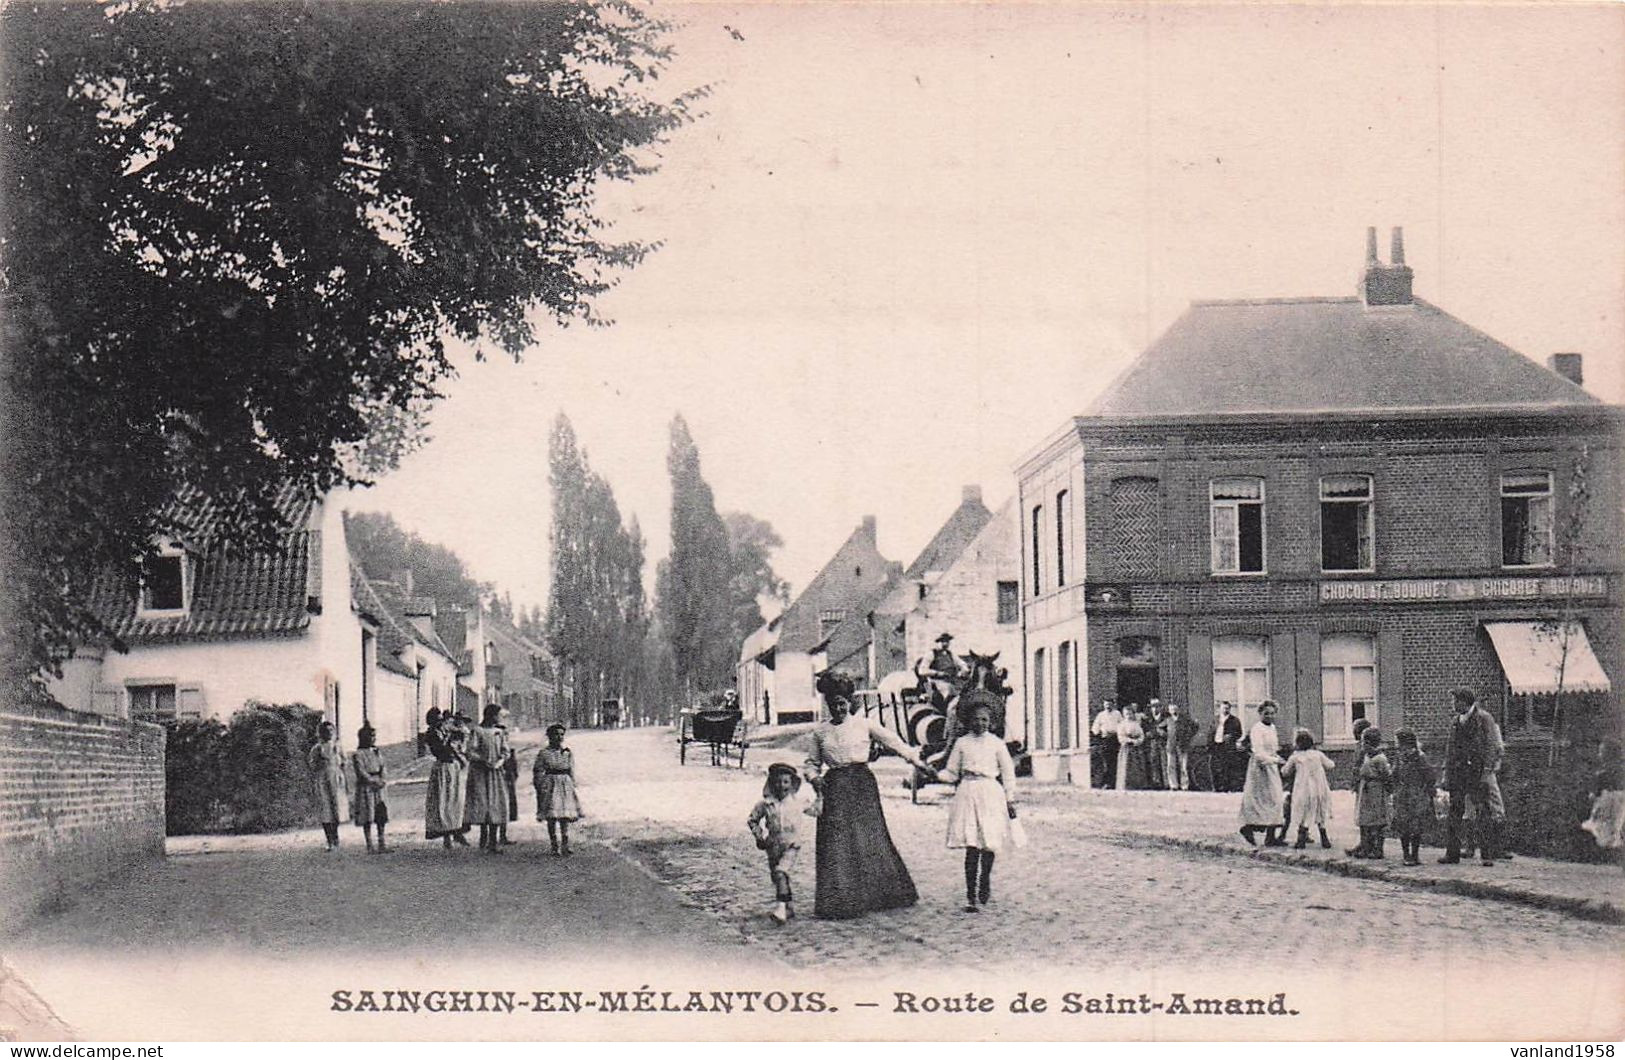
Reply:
x=1226, y=748
x=1104, y=730
x=1472, y=757
x=1178, y=730
x=1156, y=717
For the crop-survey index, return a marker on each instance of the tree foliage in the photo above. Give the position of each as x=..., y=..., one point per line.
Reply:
x=237, y=238
x=384, y=548
x=751, y=544
x=694, y=587
x=597, y=617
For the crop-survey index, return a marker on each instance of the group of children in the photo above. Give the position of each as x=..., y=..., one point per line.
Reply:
x=1399, y=794
x=473, y=781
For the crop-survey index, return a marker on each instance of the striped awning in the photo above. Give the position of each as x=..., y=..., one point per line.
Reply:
x=1538, y=656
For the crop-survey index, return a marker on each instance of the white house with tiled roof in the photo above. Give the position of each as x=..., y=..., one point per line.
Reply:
x=213, y=630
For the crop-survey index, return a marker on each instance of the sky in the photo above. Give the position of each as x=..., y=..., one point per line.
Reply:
x=906, y=241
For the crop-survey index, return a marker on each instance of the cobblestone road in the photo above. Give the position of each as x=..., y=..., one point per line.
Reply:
x=1078, y=894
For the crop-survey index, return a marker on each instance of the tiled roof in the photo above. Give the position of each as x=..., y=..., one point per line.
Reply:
x=1312, y=355
x=397, y=606
x=242, y=593
x=393, y=631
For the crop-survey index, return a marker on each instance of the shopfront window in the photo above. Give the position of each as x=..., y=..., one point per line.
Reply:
x=1241, y=674
x=1348, y=682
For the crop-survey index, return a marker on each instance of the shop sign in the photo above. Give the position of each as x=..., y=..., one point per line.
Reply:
x=1456, y=590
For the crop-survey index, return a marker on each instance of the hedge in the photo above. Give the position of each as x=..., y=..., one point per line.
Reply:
x=248, y=776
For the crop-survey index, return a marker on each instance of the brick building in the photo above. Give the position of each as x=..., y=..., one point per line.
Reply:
x=1347, y=505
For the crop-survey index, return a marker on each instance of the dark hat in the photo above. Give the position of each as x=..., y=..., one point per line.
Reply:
x=778, y=769
x=832, y=686
x=945, y=638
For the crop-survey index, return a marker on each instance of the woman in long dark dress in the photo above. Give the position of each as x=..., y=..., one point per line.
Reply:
x=859, y=869
x=443, y=801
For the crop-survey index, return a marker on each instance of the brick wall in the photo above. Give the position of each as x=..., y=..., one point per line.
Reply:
x=81, y=796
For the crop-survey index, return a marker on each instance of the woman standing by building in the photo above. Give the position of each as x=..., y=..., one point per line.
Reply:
x=326, y=761
x=443, y=802
x=1131, y=775
x=487, y=788
x=1262, y=798
x=858, y=868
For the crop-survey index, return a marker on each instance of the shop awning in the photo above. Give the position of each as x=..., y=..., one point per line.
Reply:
x=1534, y=655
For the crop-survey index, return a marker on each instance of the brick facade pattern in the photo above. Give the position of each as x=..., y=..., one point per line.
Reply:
x=81, y=796
x=1436, y=514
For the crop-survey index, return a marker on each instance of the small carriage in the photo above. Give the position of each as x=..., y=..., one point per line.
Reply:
x=930, y=710
x=722, y=730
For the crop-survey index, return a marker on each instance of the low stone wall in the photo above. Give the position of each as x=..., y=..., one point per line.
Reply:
x=81, y=796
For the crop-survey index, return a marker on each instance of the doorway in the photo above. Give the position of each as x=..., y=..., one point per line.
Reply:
x=1138, y=673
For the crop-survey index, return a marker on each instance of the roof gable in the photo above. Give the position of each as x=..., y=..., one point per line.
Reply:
x=240, y=592
x=846, y=582
x=1310, y=355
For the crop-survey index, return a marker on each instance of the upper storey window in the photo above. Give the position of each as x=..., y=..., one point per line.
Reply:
x=1237, y=518
x=1526, y=519
x=1345, y=523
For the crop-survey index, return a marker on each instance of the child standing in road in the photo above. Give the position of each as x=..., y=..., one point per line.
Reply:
x=554, y=775
x=1414, y=781
x=774, y=821
x=1311, y=792
x=369, y=808
x=1371, y=803
x=984, y=776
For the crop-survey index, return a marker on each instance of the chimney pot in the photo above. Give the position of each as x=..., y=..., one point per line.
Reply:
x=1396, y=248
x=1567, y=365
x=1390, y=284
x=971, y=495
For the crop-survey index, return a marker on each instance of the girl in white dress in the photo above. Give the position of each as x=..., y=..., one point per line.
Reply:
x=979, y=820
x=1311, y=791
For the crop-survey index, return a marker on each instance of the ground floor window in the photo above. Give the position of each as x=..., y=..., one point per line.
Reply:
x=152, y=702
x=1040, y=730
x=1241, y=675
x=1528, y=713
x=1348, y=682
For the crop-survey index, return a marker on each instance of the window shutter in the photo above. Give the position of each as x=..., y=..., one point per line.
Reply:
x=108, y=700
x=1199, y=653
x=1284, y=682
x=1311, y=713
x=1390, y=682
x=189, y=701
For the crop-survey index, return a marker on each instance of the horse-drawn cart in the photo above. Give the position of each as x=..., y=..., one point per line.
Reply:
x=724, y=731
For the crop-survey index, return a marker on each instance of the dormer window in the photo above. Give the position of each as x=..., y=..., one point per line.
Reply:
x=166, y=587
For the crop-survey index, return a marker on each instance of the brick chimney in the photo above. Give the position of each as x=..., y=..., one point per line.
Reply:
x=970, y=495
x=869, y=527
x=403, y=578
x=1567, y=365
x=1388, y=284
